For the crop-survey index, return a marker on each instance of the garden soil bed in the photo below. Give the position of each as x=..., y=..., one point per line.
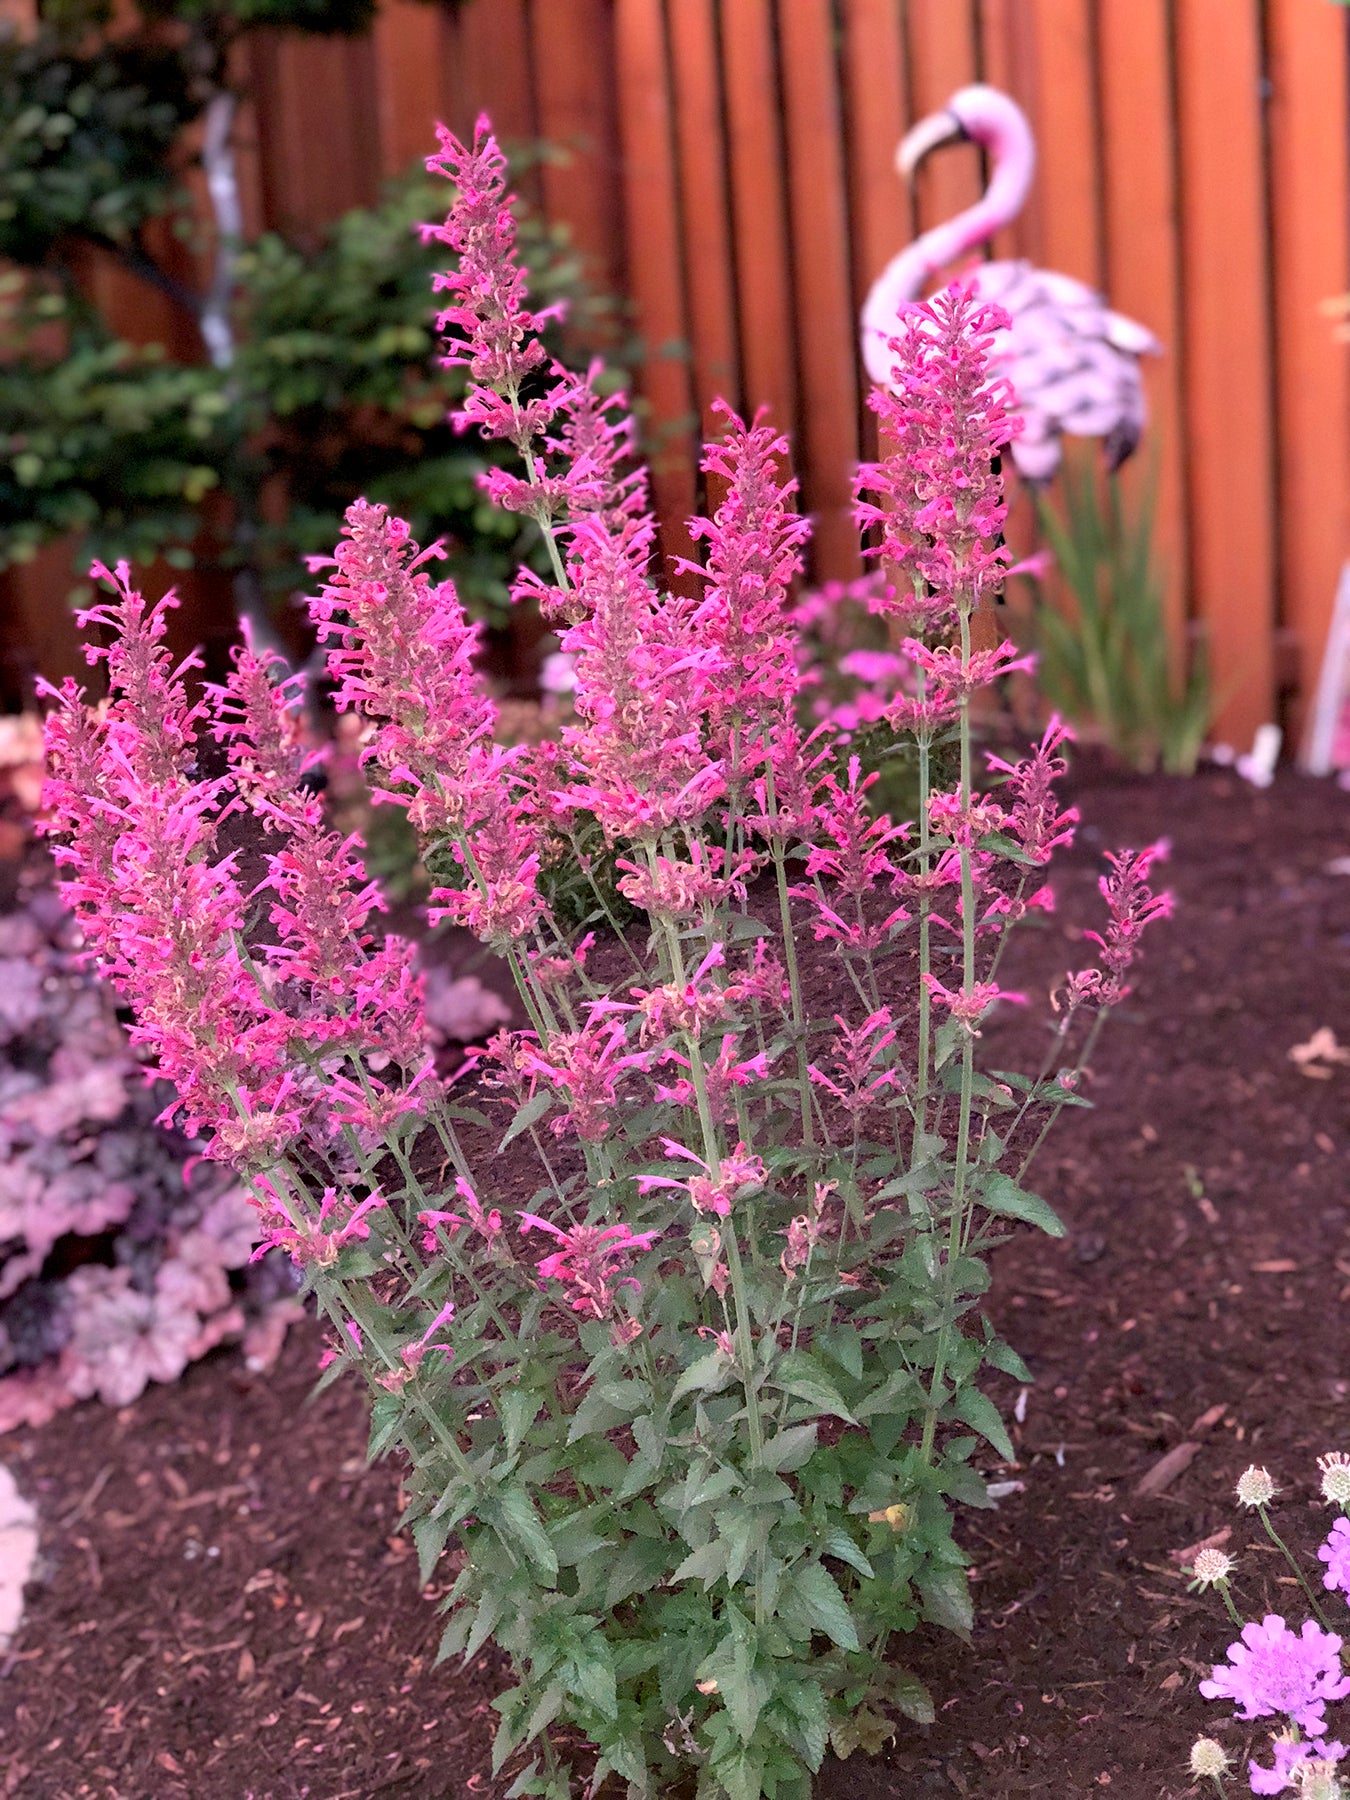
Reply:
x=225, y=1611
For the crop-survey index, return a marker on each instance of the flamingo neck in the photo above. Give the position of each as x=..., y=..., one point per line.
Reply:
x=907, y=275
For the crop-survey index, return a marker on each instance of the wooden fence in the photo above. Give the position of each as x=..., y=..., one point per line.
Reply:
x=729, y=166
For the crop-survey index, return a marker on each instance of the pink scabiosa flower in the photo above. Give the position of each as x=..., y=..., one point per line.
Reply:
x=1300, y=1766
x=1335, y=1553
x=590, y=1261
x=939, y=501
x=1272, y=1670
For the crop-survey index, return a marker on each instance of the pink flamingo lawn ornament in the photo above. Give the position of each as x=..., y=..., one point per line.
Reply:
x=1072, y=362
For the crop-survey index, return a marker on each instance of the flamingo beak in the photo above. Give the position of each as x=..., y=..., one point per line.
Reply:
x=938, y=128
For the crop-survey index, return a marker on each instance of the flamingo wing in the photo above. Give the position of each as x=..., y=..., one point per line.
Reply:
x=1072, y=362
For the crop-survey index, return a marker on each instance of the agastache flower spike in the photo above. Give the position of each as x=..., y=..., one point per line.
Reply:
x=944, y=420
x=754, y=544
x=589, y=1262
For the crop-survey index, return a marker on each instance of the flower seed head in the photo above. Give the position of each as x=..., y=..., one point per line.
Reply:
x=1335, y=1467
x=1316, y=1779
x=1211, y=1567
x=1208, y=1757
x=1256, y=1487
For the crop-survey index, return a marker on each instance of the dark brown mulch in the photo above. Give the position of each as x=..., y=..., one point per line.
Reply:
x=225, y=1612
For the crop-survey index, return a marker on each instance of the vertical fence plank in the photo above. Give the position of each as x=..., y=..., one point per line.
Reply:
x=1310, y=204
x=940, y=36
x=759, y=213
x=1062, y=209
x=876, y=116
x=1007, y=47
x=828, y=432
x=1226, y=367
x=1142, y=262
x=488, y=67
x=408, y=48
x=318, y=128
x=654, y=262
x=705, y=206
x=574, y=47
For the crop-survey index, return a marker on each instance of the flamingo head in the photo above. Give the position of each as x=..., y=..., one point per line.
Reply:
x=983, y=116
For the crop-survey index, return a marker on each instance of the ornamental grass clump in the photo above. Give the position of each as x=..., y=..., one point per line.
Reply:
x=672, y=1302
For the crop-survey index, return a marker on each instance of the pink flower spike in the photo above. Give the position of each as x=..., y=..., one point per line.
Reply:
x=589, y=1261
x=968, y=1008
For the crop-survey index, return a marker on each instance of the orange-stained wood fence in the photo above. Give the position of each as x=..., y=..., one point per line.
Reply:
x=729, y=166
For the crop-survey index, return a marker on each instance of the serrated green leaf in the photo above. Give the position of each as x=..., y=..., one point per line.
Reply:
x=907, y=1694
x=514, y=1511
x=978, y=1411
x=806, y=1378
x=429, y=1535
x=839, y=1543
x=790, y=1449
x=709, y=1375
x=863, y=1730
x=812, y=1599
x=946, y=1598
x=1002, y=1356
x=707, y=1564
x=1000, y=1194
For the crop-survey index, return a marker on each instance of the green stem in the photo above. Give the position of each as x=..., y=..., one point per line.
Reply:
x=1288, y=1556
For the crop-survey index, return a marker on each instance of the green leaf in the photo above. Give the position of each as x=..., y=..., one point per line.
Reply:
x=595, y=1679
x=518, y=1520
x=838, y=1542
x=1000, y=1194
x=790, y=1448
x=802, y=1375
x=811, y=1598
x=978, y=1411
x=907, y=1694
x=707, y=1564
x=529, y=1114
x=709, y=1375
x=429, y=1535
x=946, y=1598
x=1002, y=1356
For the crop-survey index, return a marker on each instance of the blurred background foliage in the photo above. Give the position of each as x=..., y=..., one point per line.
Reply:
x=332, y=385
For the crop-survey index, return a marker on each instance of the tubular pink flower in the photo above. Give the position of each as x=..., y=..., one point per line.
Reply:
x=1132, y=905
x=721, y=1078
x=1036, y=820
x=640, y=684
x=754, y=542
x=687, y=889
x=318, y=1239
x=717, y=1189
x=585, y=1067
x=589, y=1261
x=1271, y=1670
x=405, y=658
x=486, y=1225
x=939, y=502
x=490, y=328
x=969, y=1008
x=864, y=1078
